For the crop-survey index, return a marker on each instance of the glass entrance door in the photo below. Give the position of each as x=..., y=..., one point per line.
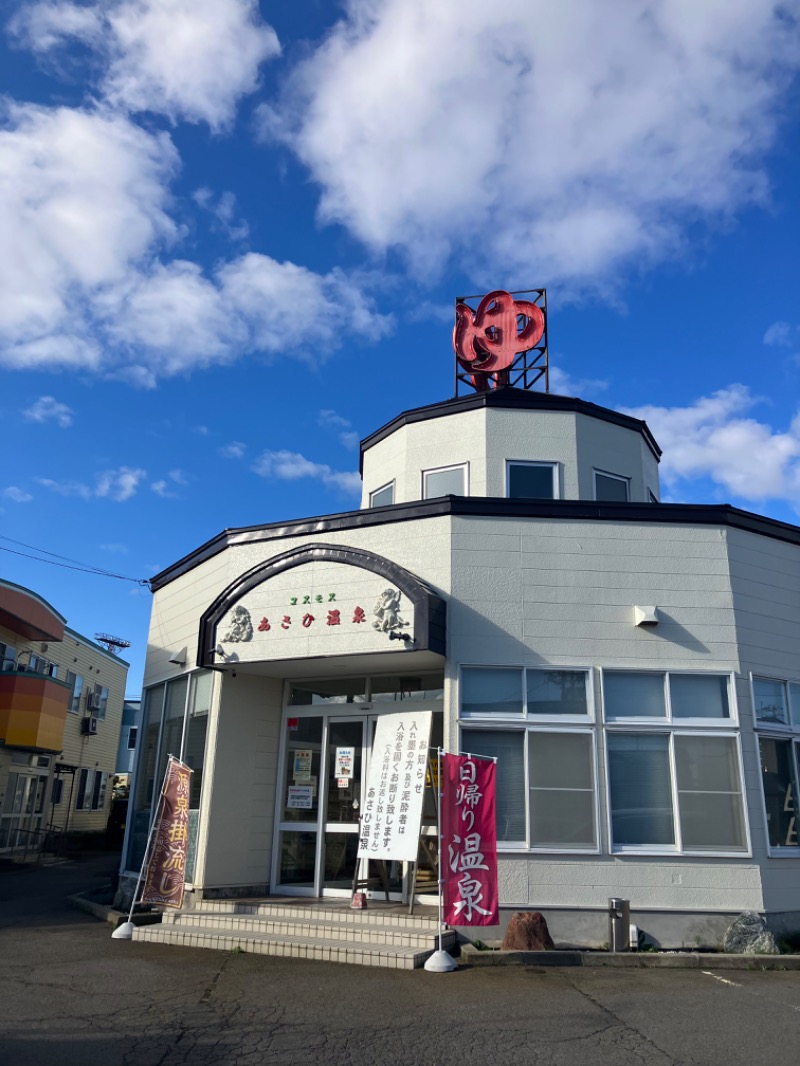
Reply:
x=320, y=797
x=344, y=770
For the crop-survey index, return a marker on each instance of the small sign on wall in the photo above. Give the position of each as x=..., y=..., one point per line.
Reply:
x=302, y=764
x=299, y=797
x=344, y=763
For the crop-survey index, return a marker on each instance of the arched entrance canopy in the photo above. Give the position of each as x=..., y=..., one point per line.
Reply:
x=321, y=599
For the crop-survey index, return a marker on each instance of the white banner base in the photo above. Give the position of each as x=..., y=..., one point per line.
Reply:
x=440, y=962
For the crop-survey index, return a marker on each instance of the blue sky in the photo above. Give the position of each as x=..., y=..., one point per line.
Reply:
x=233, y=233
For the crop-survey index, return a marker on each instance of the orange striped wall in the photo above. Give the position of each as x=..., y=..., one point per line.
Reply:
x=33, y=710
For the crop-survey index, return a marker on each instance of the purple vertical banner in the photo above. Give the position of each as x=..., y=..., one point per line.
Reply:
x=166, y=866
x=469, y=841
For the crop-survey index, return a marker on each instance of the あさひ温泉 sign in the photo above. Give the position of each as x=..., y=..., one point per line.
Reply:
x=469, y=841
x=391, y=811
x=166, y=866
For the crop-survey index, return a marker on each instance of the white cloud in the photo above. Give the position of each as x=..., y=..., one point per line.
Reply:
x=84, y=197
x=16, y=495
x=84, y=285
x=67, y=488
x=292, y=466
x=559, y=140
x=779, y=335
x=118, y=485
x=224, y=211
x=342, y=426
x=48, y=409
x=187, y=59
x=563, y=384
x=713, y=438
x=115, y=548
x=164, y=486
x=234, y=450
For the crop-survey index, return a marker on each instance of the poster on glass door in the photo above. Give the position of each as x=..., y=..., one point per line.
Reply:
x=391, y=811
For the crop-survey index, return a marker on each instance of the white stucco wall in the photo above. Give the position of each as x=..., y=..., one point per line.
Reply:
x=485, y=438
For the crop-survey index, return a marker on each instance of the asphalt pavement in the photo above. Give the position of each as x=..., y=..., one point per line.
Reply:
x=72, y=996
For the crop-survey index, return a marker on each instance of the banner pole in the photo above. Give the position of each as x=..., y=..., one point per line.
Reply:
x=440, y=961
x=124, y=931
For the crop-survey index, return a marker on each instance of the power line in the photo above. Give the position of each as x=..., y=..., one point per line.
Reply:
x=85, y=568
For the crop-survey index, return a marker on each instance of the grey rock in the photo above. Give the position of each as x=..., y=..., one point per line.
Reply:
x=748, y=935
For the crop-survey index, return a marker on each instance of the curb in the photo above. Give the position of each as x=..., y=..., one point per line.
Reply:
x=106, y=913
x=675, y=960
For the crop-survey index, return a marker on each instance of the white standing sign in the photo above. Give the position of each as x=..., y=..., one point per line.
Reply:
x=391, y=812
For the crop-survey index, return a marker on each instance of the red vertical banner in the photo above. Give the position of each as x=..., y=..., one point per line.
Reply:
x=166, y=868
x=469, y=841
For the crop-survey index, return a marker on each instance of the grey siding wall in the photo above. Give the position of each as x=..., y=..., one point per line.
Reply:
x=239, y=804
x=562, y=593
x=765, y=576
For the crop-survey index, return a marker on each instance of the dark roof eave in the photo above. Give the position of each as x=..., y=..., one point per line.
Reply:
x=486, y=507
x=515, y=400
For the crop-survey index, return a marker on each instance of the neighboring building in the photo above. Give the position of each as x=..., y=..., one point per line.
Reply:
x=60, y=713
x=131, y=720
x=633, y=666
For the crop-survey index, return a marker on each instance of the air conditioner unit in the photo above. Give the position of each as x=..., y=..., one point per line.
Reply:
x=89, y=727
x=93, y=701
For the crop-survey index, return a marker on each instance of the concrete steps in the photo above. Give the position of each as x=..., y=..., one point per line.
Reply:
x=384, y=936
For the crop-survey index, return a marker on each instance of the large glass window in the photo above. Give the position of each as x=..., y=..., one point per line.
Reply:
x=640, y=790
x=490, y=691
x=678, y=791
x=446, y=481
x=674, y=778
x=776, y=706
x=546, y=796
x=509, y=749
x=779, y=777
x=562, y=790
x=531, y=481
x=628, y=694
x=557, y=692
x=172, y=724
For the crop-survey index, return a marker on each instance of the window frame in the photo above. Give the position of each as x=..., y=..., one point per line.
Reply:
x=669, y=719
x=389, y=485
x=102, y=708
x=523, y=728
x=554, y=470
x=74, y=706
x=440, y=470
x=789, y=733
x=613, y=477
x=671, y=732
x=525, y=723
x=525, y=716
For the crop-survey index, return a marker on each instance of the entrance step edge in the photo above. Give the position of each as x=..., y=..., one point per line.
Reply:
x=358, y=952
x=406, y=935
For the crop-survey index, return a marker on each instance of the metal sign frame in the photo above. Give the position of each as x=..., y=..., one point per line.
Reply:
x=528, y=367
